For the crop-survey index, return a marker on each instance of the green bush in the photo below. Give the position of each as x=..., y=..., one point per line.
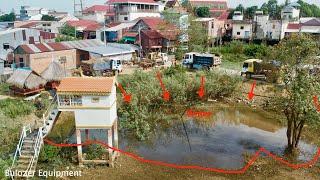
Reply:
x=95, y=151
x=4, y=88
x=13, y=108
x=147, y=107
x=49, y=154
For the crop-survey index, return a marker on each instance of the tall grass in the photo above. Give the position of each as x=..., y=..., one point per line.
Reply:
x=13, y=108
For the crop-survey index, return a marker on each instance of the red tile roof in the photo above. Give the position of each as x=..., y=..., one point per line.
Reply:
x=86, y=24
x=58, y=46
x=27, y=49
x=153, y=22
x=132, y=1
x=42, y=47
x=86, y=85
x=152, y=34
x=99, y=8
x=224, y=15
x=29, y=25
x=293, y=26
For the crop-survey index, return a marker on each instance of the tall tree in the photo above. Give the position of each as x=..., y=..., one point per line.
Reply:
x=300, y=86
x=8, y=17
x=197, y=35
x=48, y=18
x=203, y=11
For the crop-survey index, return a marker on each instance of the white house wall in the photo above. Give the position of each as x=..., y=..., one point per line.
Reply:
x=95, y=118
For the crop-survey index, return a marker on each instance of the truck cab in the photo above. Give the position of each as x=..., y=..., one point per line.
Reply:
x=188, y=58
x=116, y=65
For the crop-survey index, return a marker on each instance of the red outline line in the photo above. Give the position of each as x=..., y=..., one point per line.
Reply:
x=160, y=163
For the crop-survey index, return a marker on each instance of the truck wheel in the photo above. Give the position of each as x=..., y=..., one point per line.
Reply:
x=248, y=75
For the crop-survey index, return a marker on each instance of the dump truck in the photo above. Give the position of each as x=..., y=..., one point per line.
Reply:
x=199, y=61
x=253, y=67
x=101, y=67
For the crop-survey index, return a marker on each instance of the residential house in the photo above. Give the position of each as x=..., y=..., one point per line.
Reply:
x=114, y=51
x=86, y=29
x=151, y=40
x=214, y=27
x=151, y=25
x=27, y=12
x=129, y=10
x=242, y=30
x=38, y=56
x=308, y=26
x=274, y=30
x=98, y=13
x=291, y=12
x=114, y=33
x=12, y=38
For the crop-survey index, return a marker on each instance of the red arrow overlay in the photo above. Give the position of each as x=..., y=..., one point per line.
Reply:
x=201, y=90
x=251, y=94
x=316, y=103
x=166, y=93
x=126, y=97
x=192, y=113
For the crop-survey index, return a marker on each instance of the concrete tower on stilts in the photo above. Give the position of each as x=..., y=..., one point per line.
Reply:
x=93, y=101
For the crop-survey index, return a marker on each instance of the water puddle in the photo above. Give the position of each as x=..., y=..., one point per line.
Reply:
x=219, y=142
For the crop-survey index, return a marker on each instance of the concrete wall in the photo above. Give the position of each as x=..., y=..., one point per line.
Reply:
x=135, y=15
x=40, y=61
x=242, y=32
x=98, y=16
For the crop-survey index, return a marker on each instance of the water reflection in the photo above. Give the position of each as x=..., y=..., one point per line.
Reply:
x=216, y=142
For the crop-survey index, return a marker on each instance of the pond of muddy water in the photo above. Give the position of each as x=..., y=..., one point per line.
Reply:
x=218, y=142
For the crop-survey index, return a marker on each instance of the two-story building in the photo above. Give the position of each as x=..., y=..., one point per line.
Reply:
x=12, y=38
x=291, y=12
x=129, y=10
x=242, y=30
x=214, y=27
x=94, y=104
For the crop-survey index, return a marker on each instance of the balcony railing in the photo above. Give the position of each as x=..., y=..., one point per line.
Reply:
x=67, y=101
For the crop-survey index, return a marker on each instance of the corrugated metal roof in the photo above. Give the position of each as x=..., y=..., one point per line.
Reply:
x=59, y=46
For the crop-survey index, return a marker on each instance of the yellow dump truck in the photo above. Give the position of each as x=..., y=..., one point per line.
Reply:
x=270, y=70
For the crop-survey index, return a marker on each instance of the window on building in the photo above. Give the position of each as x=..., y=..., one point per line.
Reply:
x=95, y=99
x=24, y=36
x=6, y=46
x=212, y=25
x=238, y=33
x=21, y=62
x=273, y=26
x=63, y=59
x=241, y=27
x=125, y=18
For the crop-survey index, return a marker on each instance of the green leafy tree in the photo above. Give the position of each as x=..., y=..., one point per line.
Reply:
x=48, y=18
x=240, y=7
x=250, y=12
x=68, y=30
x=309, y=10
x=203, y=11
x=197, y=34
x=8, y=17
x=171, y=16
x=300, y=86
